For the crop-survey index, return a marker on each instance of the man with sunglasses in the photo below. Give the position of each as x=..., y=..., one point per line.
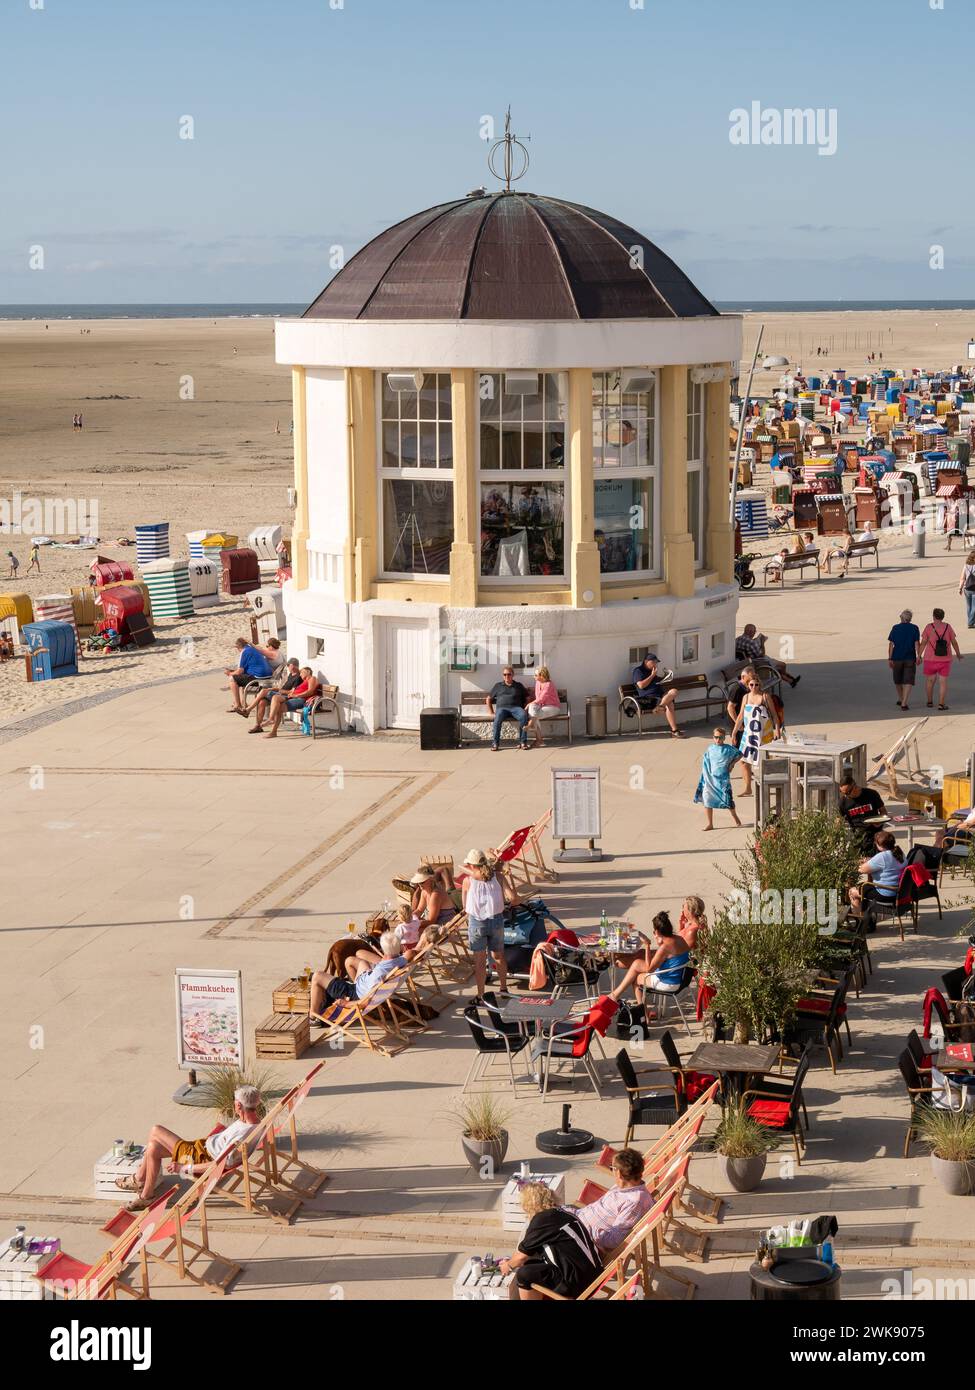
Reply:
x=507, y=700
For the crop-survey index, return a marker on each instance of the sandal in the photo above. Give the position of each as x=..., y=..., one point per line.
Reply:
x=128, y=1183
x=942, y=707
x=140, y=1204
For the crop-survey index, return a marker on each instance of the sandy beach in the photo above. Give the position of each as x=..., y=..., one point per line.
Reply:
x=187, y=421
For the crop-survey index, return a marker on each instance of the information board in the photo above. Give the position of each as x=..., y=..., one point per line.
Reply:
x=209, y=1019
x=576, y=813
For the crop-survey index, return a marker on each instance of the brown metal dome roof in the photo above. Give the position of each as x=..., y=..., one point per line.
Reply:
x=509, y=256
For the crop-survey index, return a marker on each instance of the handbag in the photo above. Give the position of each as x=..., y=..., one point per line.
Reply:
x=631, y=1023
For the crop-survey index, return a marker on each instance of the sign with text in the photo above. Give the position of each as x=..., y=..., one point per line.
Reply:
x=209, y=1019
x=576, y=813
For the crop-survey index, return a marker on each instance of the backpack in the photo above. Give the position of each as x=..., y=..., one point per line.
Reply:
x=941, y=645
x=970, y=579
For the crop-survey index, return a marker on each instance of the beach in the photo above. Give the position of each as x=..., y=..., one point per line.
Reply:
x=188, y=421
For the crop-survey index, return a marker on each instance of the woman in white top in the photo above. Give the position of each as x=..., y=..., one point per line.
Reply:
x=966, y=586
x=484, y=905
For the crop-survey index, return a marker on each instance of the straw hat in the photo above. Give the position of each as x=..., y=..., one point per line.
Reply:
x=477, y=859
x=421, y=876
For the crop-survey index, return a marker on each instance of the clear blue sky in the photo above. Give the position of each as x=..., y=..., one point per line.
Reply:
x=316, y=126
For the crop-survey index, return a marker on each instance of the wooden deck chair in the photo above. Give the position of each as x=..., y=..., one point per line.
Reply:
x=633, y=1250
x=425, y=986
x=349, y=1018
x=451, y=950
x=177, y=1250
x=628, y=1290
x=248, y=1178
x=65, y=1277
x=285, y=1158
x=523, y=859
x=903, y=749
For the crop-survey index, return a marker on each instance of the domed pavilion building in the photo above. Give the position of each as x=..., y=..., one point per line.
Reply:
x=511, y=443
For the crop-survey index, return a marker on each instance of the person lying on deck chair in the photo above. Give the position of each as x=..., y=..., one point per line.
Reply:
x=431, y=901
x=189, y=1156
x=364, y=970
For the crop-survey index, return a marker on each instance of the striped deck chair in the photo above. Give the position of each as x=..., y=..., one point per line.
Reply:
x=282, y=1158
x=65, y=1277
x=349, y=1018
x=641, y=1248
x=248, y=1178
x=176, y=1249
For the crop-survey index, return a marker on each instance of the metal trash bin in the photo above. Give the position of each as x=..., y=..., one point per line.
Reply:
x=796, y=1281
x=595, y=716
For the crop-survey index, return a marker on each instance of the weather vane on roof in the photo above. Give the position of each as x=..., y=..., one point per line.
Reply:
x=508, y=143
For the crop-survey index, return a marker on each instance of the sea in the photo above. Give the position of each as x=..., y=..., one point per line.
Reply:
x=276, y=310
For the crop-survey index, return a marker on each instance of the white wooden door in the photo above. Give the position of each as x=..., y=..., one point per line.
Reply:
x=407, y=672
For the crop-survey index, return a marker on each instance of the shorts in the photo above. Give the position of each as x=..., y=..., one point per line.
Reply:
x=243, y=681
x=486, y=935
x=336, y=990
x=904, y=672
x=648, y=702
x=295, y=702
x=191, y=1151
x=937, y=665
x=662, y=986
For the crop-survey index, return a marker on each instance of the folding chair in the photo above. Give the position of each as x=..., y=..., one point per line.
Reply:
x=65, y=1277
x=349, y=1018
x=283, y=1159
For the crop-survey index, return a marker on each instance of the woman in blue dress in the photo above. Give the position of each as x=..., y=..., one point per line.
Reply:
x=714, y=788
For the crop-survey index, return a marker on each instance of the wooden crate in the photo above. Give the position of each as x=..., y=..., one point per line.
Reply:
x=108, y=1168
x=917, y=800
x=956, y=794
x=17, y=1270
x=284, y=1036
x=292, y=997
x=513, y=1217
x=486, y=1288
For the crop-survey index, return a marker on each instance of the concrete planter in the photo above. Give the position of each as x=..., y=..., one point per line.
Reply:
x=477, y=1150
x=744, y=1174
x=954, y=1177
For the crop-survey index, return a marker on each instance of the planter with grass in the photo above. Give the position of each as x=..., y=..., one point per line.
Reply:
x=949, y=1136
x=218, y=1084
x=743, y=1146
x=484, y=1137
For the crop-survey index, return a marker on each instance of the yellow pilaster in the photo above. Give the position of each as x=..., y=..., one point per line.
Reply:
x=363, y=483
x=299, y=532
x=464, y=550
x=720, y=553
x=583, y=552
x=677, y=540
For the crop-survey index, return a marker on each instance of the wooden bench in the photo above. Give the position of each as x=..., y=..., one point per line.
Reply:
x=325, y=702
x=693, y=693
x=474, y=712
x=809, y=558
x=861, y=549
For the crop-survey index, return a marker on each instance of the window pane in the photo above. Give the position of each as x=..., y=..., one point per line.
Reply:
x=534, y=455
x=522, y=529
x=428, y=397
x=490, y=445
x=428, y=445
x=390, y=400
x=511, y=447
x=622, y=425
x=418, y=526
x=443, y=394
x=488, y=390
x=445, y=446
x=390, y=445
x=555, y=447
x=694, y=511
x=623, y=524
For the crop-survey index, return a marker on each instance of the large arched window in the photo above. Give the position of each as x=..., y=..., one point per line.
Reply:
x=522, y=475
x=625, y=472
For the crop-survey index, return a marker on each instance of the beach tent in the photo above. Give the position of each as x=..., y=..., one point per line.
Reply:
x=143, y=589
x=168, y=583
x=195, y=539
x=109, y=571
x=57, y=608
x=204, y=583
x=54, y=649
x=751, y=513
x=267, y=606
x=240, y=570
x=86, y=613
x=151, y=542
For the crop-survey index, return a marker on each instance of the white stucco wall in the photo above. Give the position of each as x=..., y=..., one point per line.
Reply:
x=328, y=477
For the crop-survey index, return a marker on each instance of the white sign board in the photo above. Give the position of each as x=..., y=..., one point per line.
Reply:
x=576, y=812
x=209, y=1019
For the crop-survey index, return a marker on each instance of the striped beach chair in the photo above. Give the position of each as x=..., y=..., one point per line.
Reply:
x=350, y=1018
x=151, y=542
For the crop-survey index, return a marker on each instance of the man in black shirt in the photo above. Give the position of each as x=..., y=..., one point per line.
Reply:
x=856, y=805
x=507, y=700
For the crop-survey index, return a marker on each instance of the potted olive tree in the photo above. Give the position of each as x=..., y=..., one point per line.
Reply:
x=483, y=1136
x=949, y=1136
x=758, y=971
x=743, y=1146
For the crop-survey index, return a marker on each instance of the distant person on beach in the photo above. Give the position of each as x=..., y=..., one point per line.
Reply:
x=252, y=665
x=966, y=586
x=35, y=558
x=15, y=566
x=81, y=421
x=74, y=421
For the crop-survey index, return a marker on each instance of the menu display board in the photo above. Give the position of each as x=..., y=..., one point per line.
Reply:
x=576, y=811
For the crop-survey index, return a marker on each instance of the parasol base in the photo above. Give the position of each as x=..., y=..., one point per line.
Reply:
x=565, y=1140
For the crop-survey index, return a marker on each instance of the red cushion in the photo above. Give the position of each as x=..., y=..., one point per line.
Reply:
x=697, y=1083
x=771, y=1113
x=925, y=1062
x=819, y=1006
